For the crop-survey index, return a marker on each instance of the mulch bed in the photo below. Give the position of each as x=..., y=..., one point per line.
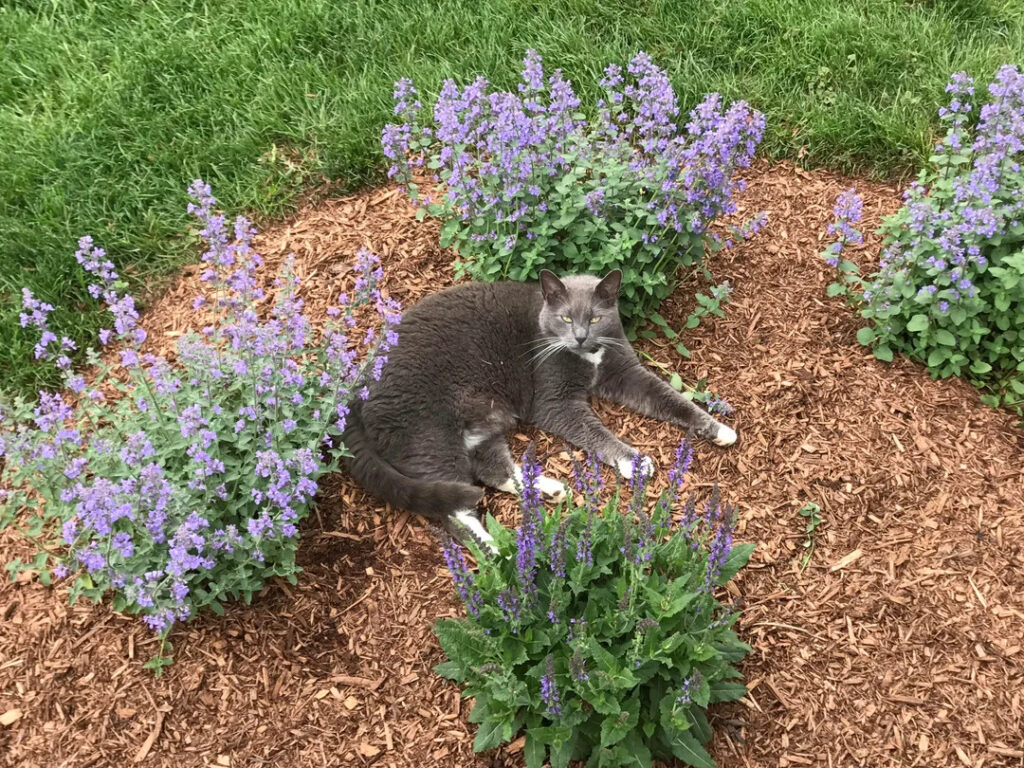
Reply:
x=899, y=644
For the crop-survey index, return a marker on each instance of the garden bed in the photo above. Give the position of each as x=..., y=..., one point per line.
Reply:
x=900, y=644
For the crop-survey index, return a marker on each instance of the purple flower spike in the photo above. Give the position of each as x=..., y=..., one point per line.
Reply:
x=461, y=575
x=549, y=690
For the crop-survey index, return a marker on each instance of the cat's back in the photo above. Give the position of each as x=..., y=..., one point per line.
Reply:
x=470, y=317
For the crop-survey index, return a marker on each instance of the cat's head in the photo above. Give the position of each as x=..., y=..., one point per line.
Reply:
x=580, y=311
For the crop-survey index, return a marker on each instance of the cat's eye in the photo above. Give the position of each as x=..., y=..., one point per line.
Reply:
x=594, y=319
x=566, y=318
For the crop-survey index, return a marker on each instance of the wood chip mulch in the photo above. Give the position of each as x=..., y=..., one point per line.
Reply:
x=900, y=644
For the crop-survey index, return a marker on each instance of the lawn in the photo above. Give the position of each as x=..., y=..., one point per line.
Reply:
x=108, y=108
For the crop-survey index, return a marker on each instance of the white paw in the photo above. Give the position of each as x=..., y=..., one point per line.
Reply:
x=552, y=489
x=625, y=467
x=468, y=518
x=726, y=435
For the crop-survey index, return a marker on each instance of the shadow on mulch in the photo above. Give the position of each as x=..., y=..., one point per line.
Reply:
x=899, y=644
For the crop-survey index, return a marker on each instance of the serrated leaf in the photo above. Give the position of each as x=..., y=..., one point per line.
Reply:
x=491, y=733
x=686, y=747
x=727, y=690
x=614, y=728
x=737, y=558
x=451, y=670
x=534, y=751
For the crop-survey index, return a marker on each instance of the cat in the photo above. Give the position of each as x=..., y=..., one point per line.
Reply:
x=476, y=359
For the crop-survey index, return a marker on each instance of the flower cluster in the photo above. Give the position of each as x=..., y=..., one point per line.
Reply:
x=178, y=485
x=614, y=642
x=529, y=183
x=950, y=287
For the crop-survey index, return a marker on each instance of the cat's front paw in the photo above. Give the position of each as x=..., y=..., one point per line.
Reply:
x=643, y=464
x=725, y=435
x=551, y=489
x=471, y=524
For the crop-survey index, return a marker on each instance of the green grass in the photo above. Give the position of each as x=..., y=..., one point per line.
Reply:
x=108, y=108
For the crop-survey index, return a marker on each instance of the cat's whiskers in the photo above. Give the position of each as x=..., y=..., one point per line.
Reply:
x=546, y=351
x=611, y=340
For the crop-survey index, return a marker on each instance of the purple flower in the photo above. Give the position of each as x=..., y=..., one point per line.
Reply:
x=528, y=536
x=719, y=548
x=578, y=666
x=461, y=575
x=511, y=607
x=688, y=689
x=549, y=690
x=557, y=550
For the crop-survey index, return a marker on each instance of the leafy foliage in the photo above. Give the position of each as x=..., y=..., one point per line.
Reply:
x=594, y=628
x=950, y=289
x=179, y=486
x=529, y=183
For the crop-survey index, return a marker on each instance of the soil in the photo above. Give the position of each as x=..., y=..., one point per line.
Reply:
x=900, y=643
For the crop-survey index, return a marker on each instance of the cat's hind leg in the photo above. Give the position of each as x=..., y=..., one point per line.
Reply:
x=494, y=466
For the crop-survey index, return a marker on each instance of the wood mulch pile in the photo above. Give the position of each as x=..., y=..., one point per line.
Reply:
x=899, y=644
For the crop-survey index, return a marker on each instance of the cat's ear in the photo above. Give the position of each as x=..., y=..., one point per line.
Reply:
x=553, y=289
x=607, y=291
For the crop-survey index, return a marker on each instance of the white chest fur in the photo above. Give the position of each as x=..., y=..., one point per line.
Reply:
x=594, y=357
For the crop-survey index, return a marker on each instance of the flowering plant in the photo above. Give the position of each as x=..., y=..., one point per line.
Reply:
x=529, y=183
x=950, y=288
x=179, y=485
x=595, y=627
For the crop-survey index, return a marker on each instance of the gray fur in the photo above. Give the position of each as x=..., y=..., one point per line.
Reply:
x=477, y=358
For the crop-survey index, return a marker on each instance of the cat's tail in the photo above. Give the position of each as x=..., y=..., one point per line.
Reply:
x=438, y=499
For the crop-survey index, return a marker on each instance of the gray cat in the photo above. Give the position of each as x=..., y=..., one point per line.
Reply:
x=475, y=359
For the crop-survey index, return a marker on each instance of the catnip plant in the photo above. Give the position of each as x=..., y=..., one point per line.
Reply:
x=595, y=628
x=528, y=182
x=176, y=483
x=950, y=286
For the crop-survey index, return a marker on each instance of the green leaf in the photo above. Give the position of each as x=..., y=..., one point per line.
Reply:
x=917, y=323
x=480, y=711
x=491, y=733
x=534, y=751
x=615, y=727
x=451, y=670
x=736, y=559
x=727, y=690
x=701, y=728
x=632, y=752
x=942, y=336
x=561, y=754
x=883, y=353
x=980, y=367
x=658, y=319
x=937, y=357
x=686, y=747
x=835, y=289
x=676, y=382
x=866, y=335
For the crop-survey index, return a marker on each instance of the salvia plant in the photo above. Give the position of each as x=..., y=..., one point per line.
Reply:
x=178, y=483
x=595, y=628
x=528, y=182
x=950, y=287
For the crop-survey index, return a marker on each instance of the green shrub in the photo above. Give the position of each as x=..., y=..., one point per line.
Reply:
x=177, y=486
x=529, y=183
x=950, y=288
x=595, y=629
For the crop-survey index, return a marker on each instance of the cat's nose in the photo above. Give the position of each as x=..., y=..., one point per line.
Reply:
x=581, y=336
